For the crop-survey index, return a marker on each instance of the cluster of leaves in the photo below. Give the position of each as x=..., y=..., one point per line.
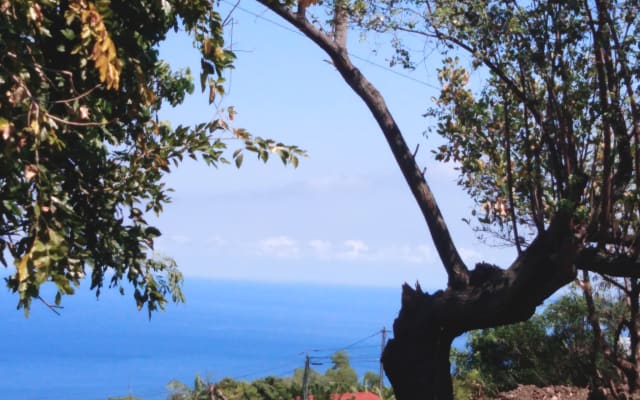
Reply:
x=556, y=122
x=555, y=347
x=82, y=154
x=539, y=127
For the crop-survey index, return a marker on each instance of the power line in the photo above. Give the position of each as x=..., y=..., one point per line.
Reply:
x=280, y=366
x=393, y=71
x=357, y=57
x=347, y=346
x=367, y=346
x=263, y=370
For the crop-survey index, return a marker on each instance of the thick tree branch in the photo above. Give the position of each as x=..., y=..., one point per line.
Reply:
x=456, y=269
x=601, y=262
x=496, y=296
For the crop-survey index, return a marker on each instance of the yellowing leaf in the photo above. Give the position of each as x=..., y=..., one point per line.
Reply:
x=5, y=128
x=30, y=171
x=104, y=52
x=307, y=3
x=212, y=93
x=23, y=272
x=206, y=48
x=35, y=125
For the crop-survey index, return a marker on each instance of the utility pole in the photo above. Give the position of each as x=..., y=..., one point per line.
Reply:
x=305, y=379
x=384, y=341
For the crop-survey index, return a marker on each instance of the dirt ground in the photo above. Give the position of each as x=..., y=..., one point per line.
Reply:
x=529, y=392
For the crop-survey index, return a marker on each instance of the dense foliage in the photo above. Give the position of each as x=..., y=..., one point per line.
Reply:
x=554, y=347
x=339, y=378
x=82, y=153
x=554, y=122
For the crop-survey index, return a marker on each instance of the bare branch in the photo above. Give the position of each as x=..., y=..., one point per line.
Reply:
x=79, y=124
x=610, y=280
x=80, y=96
x=230, y=13
x=54, y=308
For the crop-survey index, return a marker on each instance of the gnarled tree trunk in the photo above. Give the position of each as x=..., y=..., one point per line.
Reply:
x=416, y=360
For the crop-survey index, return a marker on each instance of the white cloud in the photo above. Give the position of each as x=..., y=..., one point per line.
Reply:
x=404, y=253
x=355, y=249
x=279, y=246
x=348, y=250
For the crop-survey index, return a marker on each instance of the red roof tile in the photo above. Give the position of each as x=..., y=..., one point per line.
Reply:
x=349, y=396
x=355, y=396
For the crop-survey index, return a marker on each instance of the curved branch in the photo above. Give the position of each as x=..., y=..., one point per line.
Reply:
x=456, y=269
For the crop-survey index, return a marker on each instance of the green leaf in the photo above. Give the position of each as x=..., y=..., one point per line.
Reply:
x=238, y=160
x=69, y=34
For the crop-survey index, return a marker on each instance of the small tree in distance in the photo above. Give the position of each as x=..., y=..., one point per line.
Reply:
x=341, y=375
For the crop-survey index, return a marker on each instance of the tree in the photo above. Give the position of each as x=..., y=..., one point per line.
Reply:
x=314, y=377
x=82, y=153
x=202, y=390
x=549, y=150
x=371, y=381
x=274, y=388
x=341, y=376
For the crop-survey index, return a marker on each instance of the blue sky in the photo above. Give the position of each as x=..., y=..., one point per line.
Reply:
x=345, y=216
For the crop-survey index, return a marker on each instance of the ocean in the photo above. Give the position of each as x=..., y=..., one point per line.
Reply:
x=101, y=348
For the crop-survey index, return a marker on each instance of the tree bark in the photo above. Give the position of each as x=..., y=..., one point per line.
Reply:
x=416, y=360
